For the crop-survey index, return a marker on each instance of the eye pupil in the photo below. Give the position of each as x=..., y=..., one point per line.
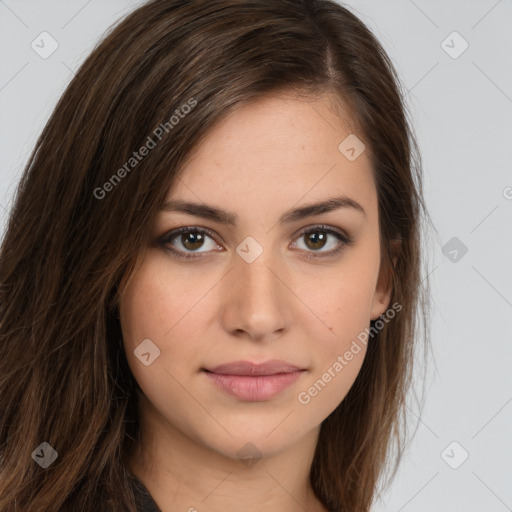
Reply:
x=315, y=238
x=195, y=238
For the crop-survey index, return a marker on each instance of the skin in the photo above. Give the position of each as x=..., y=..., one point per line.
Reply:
x=269, y=156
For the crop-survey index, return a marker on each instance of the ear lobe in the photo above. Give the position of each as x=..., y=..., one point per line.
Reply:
x=384, y=289
x=382, y=295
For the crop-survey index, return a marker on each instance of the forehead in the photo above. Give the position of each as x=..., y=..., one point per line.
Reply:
x=274, y=151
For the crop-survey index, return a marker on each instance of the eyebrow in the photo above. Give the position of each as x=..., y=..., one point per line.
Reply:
x=223, y=217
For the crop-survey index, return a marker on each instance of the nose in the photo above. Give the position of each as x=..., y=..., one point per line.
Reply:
x=256, y=300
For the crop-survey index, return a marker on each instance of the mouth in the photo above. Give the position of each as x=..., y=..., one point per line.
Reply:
x=254, y=382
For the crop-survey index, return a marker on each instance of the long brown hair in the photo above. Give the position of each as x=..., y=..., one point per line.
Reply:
x=161, y=79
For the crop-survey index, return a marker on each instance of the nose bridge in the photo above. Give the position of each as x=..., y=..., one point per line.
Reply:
x=259, y=281
x=256, y=298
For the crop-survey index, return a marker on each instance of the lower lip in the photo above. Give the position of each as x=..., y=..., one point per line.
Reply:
x=254, y=388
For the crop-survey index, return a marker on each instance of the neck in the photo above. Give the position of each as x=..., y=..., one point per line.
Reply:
x=182, y=474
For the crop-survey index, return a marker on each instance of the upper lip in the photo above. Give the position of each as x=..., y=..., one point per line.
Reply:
x=270, y=367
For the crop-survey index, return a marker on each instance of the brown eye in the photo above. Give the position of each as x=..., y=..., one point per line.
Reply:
x=315, y=241
x=185, y=242
x=318, y=237
x=192, y=240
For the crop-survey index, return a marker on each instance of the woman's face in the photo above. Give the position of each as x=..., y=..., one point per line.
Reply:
x=258, y=288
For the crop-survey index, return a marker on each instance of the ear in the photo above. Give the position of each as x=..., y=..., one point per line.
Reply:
x=384, y=288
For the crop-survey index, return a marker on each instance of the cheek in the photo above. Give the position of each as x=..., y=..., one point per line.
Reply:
x=167, y=315
x=142, y=310
x=328, y=386
x=153, y=308
x=338, y=351
x=342, y=306
x=150, y=310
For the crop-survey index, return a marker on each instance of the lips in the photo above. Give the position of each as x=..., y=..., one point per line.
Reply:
x=271, y=367
x=254, y=382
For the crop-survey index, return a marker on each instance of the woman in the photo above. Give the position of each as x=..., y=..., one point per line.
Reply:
x=211, y=273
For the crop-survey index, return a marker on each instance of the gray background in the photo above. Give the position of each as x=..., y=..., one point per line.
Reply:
x=462, y=110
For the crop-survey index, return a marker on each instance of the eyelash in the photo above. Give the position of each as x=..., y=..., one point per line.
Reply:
x=343, y=239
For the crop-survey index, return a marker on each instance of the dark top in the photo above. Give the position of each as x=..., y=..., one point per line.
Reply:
x=143, y=499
